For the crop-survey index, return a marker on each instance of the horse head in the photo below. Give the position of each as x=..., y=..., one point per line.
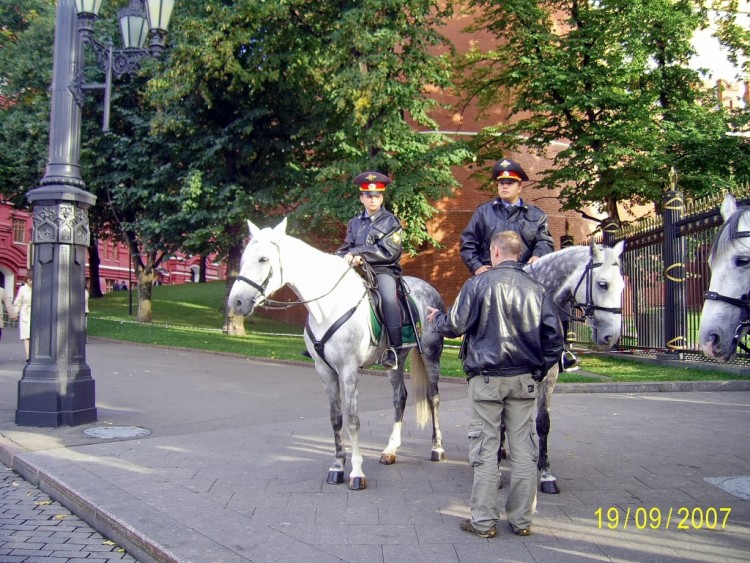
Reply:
x=724, y=320
x=599, y=293
x=260, y=269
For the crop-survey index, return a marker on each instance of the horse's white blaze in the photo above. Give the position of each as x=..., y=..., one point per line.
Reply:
x=730, y=277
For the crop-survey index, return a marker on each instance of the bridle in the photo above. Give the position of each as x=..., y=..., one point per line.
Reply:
x=587, y=309
x=743, y=303
x=272, y=304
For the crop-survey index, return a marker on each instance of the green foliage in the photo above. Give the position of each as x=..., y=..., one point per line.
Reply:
x=279, y=104
x=26, y=39
x=611, y=78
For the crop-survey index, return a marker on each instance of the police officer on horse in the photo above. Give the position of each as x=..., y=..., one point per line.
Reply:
x=374, y=237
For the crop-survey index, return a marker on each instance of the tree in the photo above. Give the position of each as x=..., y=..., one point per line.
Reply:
x=26, y=41
x=280, y=104
x=611, y=78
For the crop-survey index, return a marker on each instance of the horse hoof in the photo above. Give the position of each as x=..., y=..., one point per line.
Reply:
x=437, y=455
x=388, y=459
x=550, y=488
x=335, y=477
x=357, y=483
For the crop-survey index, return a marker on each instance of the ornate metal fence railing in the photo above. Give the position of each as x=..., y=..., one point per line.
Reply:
x=665, y=283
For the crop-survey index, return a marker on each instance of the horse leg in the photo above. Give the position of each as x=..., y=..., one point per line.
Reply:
x=357, y=479
x=433, y=397
x=396, y=377
x=548, y=480
x=331, y=385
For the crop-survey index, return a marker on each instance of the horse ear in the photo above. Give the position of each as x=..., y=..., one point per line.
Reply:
x=280, y=229
x=619, y=248
x=594, y=250
x=254, y=231
x=728, y=207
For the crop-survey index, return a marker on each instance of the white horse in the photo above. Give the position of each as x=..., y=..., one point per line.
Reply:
x=339, y=338
x=726, y=311
x=588, y=279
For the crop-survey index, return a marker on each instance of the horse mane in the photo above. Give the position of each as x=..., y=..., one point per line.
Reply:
x=727, y=238
x=545, y=269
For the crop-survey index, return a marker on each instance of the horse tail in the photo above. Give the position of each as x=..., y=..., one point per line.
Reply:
x=418, y=374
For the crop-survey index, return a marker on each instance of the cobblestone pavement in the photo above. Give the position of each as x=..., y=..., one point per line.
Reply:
x=35, y=528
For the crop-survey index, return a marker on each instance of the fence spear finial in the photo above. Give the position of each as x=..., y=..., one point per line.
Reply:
x=673, y=179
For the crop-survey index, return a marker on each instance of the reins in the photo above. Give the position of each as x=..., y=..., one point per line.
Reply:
x=283, y=305
x=318, y=345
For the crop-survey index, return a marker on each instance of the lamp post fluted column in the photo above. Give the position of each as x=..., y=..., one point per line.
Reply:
x=57, y=388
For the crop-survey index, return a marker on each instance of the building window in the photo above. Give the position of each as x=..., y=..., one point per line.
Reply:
x=19, y=231
x=116, y=252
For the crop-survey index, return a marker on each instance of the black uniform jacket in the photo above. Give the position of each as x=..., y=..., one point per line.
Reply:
x=528, y=221
x=376, y=239
x=509, y=323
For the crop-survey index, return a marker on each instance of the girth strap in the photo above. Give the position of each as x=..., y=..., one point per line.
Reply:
x=319, y=345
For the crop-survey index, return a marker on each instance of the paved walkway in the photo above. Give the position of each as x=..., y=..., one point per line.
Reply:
x=235, y=464
x=33, y=527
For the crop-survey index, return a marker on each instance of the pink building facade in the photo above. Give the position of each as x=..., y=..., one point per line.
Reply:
x=115, y=270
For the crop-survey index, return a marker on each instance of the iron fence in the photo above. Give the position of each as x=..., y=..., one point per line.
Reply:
x=665, y=283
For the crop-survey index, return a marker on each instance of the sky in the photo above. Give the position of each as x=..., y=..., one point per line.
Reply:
x=712, y=56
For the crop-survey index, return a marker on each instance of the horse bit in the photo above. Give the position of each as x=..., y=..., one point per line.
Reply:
x=743, y=303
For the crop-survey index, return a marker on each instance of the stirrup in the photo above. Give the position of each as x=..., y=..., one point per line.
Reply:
x=569, y=361
x=390, y=358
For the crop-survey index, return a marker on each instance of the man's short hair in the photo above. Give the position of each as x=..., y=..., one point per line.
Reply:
x=508, y=242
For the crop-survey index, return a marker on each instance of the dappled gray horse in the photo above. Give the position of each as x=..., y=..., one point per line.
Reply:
x=589, y=280
x=339, y=337
x=725, y=319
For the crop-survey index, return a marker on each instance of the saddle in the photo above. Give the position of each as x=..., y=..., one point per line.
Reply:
x=411, y=326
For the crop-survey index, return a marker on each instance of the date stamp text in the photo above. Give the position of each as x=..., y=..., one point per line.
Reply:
x=655, y=518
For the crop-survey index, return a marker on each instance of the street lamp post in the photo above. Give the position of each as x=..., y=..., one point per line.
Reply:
x=56, y=387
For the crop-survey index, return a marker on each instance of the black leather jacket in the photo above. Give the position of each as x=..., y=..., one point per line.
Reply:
x=528, y=221
x=376, y=239
x=509, y=323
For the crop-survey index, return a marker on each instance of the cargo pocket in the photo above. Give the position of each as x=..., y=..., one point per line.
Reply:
x=529, y=387
x=476, y=439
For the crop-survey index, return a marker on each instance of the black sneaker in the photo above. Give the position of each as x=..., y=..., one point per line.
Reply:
x=390, y=359
x=467, y=526
x=523, y=532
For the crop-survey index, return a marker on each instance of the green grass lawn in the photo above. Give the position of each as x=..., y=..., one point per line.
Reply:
x=192, y=315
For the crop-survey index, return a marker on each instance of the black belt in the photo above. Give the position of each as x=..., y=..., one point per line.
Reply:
x=503, y=372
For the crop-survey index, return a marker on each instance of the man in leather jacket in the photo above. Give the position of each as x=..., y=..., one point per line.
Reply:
x=374, y=236
x=506, y=212
x=512, y=336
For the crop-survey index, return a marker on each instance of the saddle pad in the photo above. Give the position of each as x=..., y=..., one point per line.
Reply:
x=407, y=332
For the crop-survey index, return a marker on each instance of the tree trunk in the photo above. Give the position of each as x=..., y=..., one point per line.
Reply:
x=233, y=324
x=202, y=269
x=145, y=283
x=95, y=287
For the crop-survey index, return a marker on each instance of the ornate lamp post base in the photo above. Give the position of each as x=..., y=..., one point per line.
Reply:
x=57, y=388
x=56, y=399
